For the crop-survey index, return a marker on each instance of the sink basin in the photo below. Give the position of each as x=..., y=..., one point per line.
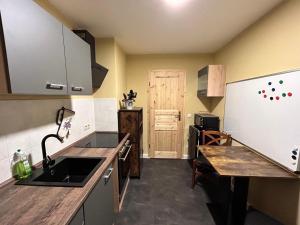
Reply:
x=66, y=172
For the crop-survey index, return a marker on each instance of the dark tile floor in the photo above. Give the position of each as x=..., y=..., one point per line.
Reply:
x=163, y=196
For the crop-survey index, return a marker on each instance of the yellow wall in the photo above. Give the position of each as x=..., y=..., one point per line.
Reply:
x=110, y=55
x=137, y=69
x=120, y=71
x=269, y=46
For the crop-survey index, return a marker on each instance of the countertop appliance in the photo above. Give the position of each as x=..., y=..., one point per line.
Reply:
x=101, y=140
x=124, y=167
x=202, y=121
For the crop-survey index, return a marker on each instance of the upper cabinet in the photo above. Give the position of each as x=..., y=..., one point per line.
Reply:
x=211, y=81
x=34, y=49
x=78, y=64
x=43, y=57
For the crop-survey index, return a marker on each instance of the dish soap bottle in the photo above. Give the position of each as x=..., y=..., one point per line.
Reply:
x=21, y=166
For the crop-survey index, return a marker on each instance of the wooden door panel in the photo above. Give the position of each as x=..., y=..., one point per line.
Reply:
x=166, y=107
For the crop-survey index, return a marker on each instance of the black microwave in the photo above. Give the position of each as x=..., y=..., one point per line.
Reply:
x=207, y=121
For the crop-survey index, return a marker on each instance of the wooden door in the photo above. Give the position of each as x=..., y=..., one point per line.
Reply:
x=166, y=104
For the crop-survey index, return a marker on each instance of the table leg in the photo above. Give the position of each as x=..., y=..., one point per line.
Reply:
x=238, y=202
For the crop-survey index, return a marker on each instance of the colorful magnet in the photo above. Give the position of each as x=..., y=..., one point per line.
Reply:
x=259, y=92
x=263, y=91
x=271, y=98
x=265, y=96
x=283, y=94
x=294, y=157
x=270, y=83
x=273, y=89
x=281, y=82
x=277, y=98
x=290, y=94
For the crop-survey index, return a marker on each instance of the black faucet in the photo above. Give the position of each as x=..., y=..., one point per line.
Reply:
x=47, y=161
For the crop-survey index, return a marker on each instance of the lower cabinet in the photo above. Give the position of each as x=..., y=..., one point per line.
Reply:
x=98, y=208
x=78, y=219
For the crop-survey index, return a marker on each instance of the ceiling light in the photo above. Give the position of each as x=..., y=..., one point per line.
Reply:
x=176, y=3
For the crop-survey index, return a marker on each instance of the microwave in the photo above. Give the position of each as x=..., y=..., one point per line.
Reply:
x=207, y=121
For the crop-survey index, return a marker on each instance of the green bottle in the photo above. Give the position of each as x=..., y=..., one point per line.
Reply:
x=21, y=166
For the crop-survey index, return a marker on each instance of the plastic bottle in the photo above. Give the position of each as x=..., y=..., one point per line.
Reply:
x=21, y=165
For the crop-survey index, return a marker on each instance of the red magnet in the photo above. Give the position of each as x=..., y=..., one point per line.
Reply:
x=265, y=96
x=277, y=97
x=263, y=91
x=290, y=94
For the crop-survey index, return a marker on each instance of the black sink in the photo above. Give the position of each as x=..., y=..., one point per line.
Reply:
x=66, y=172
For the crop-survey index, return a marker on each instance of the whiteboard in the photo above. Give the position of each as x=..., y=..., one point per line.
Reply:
x=264, y=114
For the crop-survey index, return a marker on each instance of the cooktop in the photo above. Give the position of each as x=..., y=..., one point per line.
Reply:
x=101, y=140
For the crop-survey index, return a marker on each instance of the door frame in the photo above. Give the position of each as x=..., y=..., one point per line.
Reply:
x=150, y=150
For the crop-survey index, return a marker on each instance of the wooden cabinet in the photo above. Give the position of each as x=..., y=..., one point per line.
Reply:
x=78, y=64
x=211, y=81
x=34, y=48
x=43, y=57
x=99, y=206
x=131, y=121
x=78, y=219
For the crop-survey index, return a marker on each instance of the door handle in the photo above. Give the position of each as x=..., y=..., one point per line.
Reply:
x=179, y=116
x=124, y=159
x=107, y=176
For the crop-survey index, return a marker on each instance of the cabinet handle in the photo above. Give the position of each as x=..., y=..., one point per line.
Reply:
x=77, y=88
x=107, y=176
x=124, y=158
x=55, y=86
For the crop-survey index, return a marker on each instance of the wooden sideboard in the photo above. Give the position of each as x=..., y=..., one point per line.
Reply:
x=131, y=121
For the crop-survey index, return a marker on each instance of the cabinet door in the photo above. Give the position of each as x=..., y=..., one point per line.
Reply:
x=78, y=219
x=78, y=64
x=34, y=47
x=98, y=208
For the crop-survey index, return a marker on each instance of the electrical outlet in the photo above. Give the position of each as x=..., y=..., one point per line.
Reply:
x=87, y=127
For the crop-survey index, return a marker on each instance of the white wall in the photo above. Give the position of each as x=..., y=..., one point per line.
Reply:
x=106, y=114
x=23, y=124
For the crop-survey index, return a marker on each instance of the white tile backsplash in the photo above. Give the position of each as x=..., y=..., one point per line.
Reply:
x=106, y=114
x=25, y=122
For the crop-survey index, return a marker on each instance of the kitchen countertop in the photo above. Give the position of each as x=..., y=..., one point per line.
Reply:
x=51, y=205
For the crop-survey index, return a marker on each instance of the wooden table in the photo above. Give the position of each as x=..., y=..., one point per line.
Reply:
x=238, y=164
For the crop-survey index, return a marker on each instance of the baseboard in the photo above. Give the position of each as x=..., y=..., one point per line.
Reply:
x=145, y=156
x=185, y=156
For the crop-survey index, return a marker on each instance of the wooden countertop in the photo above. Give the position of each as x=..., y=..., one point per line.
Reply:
x=239, y=161
x=51, y=205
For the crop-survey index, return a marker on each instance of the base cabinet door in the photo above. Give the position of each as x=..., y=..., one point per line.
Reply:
x=99, y=208
x=78, y=219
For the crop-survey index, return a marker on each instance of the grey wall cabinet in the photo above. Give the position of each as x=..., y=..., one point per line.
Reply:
x=78, y=219
x=43, y=56
x=98, y=208
x=78, y=64
x=34, y=47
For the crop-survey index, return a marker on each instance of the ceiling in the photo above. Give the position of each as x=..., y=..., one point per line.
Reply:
x=166, y=26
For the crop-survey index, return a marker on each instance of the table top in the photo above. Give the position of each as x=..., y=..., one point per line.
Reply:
x=240, y=161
